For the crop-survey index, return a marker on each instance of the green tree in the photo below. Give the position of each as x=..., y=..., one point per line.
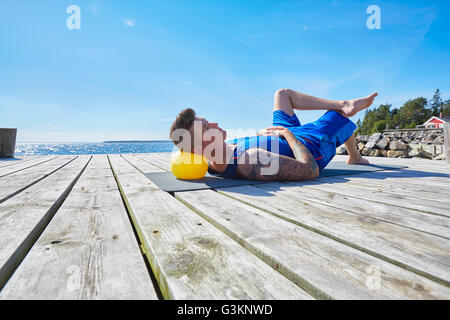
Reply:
x=379, y=126
x=414, y=111
x=436, y=103
x=446, y=108
x=358, y=126
x=412, y=125
x=376, y=120
x=383, y=111
x=393, y=121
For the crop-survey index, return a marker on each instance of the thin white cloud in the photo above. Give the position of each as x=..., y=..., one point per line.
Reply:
x=128, y=22
x=305, y=28
x=188, y=83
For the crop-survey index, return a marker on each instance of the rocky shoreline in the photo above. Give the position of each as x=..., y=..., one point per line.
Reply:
x=428, y=144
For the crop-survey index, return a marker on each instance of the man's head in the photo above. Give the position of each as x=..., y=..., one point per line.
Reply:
x=194, y=134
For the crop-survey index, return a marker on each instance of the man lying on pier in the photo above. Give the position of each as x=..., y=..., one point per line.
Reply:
x=285, y=151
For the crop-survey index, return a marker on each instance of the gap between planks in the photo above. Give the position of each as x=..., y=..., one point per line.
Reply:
x=242, y=275
x=17, y=182
x=24, y=229
x=377, y=238
x=313, y=261
x=144, y=168
x=88, y=250
x=24, y=165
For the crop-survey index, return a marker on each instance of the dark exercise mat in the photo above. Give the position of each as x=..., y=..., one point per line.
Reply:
x=166, y=180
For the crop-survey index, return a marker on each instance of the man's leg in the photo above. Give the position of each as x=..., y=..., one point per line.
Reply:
x=287, y=100
x=354, y=157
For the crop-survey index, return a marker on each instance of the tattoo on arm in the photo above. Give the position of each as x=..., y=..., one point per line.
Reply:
x=288, y=168
x=301, y=153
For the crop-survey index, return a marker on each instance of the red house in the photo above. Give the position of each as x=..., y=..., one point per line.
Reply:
x=436, y=122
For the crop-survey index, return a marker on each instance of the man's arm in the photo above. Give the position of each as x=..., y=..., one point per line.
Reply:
x=301, y=153
x=260, y=164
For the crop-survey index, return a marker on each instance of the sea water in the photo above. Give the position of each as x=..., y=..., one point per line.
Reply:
x=40, y=149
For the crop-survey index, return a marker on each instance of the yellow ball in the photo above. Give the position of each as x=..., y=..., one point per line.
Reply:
x=185, y=165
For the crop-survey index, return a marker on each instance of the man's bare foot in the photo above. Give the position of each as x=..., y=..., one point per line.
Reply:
x=352, y=107
x=359, y=160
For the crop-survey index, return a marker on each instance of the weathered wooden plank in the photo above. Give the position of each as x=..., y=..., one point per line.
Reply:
x=13, y=161
x=430, y=176
x=192, y=259
x=422, y=169
x=142, y=165
x=24, y=217
x=162, y=162
x=429, y=165
x=88, y=250
x=322, y=266
x=24, y=165
x=380, y=196
x=407, y=194
x=433, y=224
x=163, y=156
x=410, y=162
x=417, y=220
x=17, y=182
x=438, y=179
x=433, y=166
x=416, y=251
x=426, y=165
x=392, y=186
x=407, y=178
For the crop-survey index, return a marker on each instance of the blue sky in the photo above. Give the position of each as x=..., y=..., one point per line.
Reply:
x=134, y=65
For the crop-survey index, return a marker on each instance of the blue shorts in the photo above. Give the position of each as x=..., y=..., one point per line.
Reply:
x=320, y=137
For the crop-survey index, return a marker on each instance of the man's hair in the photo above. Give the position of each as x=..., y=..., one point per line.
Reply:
x=184, y=120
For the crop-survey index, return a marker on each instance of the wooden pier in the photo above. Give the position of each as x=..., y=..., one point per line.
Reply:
x=94, y=227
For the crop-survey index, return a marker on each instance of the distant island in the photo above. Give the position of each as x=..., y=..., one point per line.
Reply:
x=137, y=141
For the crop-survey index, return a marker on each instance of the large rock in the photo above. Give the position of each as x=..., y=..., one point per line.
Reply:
x=420, y=152
x=406, y=140
x=438, y=141
x=373, y=140
x=396, y=153
x=371, y=152
x=391, y=153
x=426, y=154
x=383, y=143
x=364, y=138
x=398, y=145
x=341, y=151
x=361, y=146
x=440, y=156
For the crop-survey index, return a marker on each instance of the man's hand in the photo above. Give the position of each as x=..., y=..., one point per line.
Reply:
x=277, y=131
